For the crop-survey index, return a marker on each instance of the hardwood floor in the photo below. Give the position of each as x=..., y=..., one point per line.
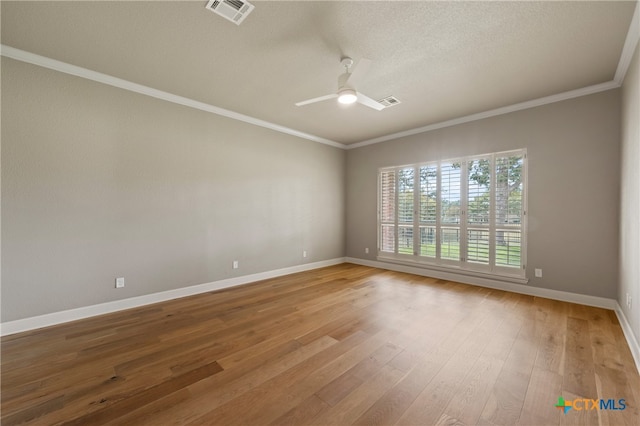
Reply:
x=345, y=344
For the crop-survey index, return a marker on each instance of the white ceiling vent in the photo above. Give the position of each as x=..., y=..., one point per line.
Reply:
x=389, y=101
x=232, y=10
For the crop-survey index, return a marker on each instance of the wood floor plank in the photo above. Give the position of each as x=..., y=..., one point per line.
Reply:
x=579, y=377
x=472, y=394
x=457, y=364
x=359, y=400
x=544, y=388
x=217, y=390
x=506, y=399
x=125, y=404
x=303, y=413
x=145, y=414
x=334, y=391
x=345, y=344
x=551, y=346
x=370, y=365
x=396, y=400
x=321, y=377
x=33, y=412
x=614, y=383
x=257, y=405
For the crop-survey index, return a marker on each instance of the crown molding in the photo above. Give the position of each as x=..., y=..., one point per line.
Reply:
x=632, y=39
x=43, y=61
x=630, y=43
x=494, y=112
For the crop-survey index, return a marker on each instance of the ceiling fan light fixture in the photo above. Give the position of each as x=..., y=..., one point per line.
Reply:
x=347, y=96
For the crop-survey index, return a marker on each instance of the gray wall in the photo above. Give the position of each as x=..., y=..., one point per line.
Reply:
x=630, y=196
x=574, y=158
x=99, y=183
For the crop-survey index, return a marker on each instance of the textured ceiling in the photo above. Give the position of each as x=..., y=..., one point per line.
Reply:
x=443, y=60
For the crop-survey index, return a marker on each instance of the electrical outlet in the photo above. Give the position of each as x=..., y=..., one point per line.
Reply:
x=538, y=273
x=629, y=300
x=366, y=250
x=304, y=253
x=120, y=282
x=236, y=264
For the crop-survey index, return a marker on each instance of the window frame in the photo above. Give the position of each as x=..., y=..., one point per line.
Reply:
x=463, y=264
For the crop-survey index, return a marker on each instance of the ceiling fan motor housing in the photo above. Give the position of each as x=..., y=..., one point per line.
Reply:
x=346, y=62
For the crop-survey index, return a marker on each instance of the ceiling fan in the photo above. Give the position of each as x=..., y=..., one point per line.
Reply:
x=347, y=81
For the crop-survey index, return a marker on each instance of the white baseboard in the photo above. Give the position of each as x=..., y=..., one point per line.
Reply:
x=32, y=323
x=26, y=324
x=564, y=296
x=628, y=334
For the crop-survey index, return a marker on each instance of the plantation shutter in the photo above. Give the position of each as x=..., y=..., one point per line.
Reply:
x=428, y=210
x=450, y=211
x=405, y=210
x=509, y=210
x=478, y=210
x=388, y=211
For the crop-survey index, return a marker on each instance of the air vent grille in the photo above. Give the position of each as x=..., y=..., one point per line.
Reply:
x=232, y=10
x=389, y=101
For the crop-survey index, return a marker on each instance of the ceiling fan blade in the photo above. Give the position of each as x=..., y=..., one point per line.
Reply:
x=359, y=71
x=367, y=101
x=319, y=99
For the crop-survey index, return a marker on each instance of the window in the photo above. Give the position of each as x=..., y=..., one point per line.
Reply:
x=466, y=213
